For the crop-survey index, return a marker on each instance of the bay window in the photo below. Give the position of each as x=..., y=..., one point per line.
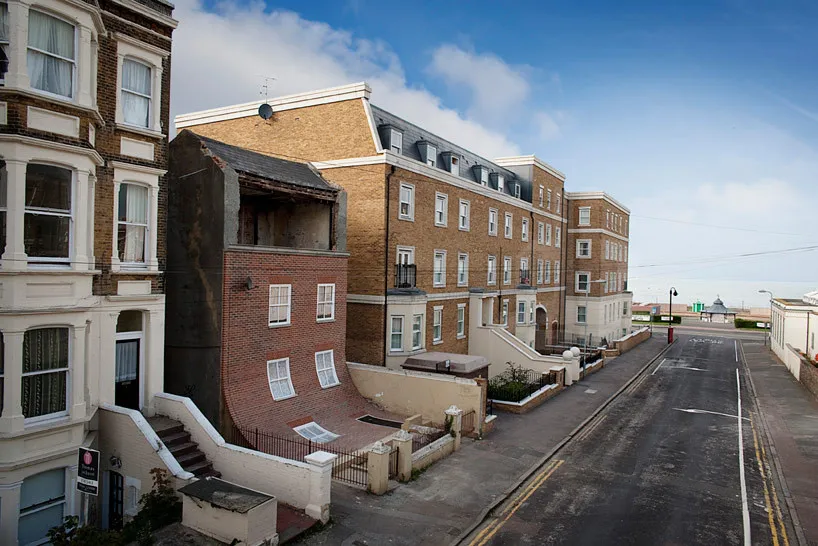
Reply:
x=4, y=33
x=136, y=93
x=417, y=332
x=132, y=218
x=42, y=505
x=396, y=334
x=3, y=205
x=45, y=372
x=51, y=55
x=48, y=213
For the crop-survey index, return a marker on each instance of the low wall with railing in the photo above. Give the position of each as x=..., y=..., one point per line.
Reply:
x=630, y=341
x=300, y=484
x=430, y=454
x=520, y=391
x=410, y=393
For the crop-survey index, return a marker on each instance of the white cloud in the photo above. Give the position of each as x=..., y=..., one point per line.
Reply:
x=547, y=126
x=220, y=59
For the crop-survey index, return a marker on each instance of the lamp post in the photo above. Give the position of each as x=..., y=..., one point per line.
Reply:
x=585, y=340
x=672, y=292
x=770, y=329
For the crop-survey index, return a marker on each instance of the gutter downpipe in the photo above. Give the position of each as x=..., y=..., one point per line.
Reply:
x=386, y=265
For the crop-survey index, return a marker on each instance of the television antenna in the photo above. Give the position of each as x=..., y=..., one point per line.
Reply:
x=265, y=111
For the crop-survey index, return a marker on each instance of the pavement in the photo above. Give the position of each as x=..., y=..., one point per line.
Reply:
x=680, y=457
x=451, y=496
x=790, y=418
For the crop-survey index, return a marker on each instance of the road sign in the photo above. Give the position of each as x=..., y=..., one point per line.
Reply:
x=88, y=471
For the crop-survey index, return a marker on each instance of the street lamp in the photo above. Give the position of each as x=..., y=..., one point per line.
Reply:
x=585, y=341
x=770, y=329
x=670, y=325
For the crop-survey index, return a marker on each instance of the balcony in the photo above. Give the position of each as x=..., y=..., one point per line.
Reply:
x=405, y=275
x=525, y=276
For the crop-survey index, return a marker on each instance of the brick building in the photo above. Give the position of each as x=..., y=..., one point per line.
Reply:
x=257, y=286
x=598, y=303
x=84, y=109
x=442, y=242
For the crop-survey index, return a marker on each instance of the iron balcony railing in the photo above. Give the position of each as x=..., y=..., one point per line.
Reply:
x=525, y=276
x=405, y=276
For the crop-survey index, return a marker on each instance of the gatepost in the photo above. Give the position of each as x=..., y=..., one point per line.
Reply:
x=456, y=415
x=377, y=468
x=402, y=440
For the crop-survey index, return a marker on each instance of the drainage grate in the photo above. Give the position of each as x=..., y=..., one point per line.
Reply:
x=378, y=421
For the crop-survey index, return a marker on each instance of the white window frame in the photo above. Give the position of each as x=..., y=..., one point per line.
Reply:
x=507, y=269
x=419, y=323
x=442, y=282
x=539, y=271
x=608, y=218
x=431, y=155
x=393, y=332
x=587, y=275
x=580, y=243
x=454, y=165
x=57, y=501
x=524, y=229
x=493, y=228
x=584, y=211
x=464, y=220
x=410, y=215
x=540, y=233
x=584, y=314
x=501, y=183
x=314, y=432
x=67, y=369
x=133, y=174
x=524, y=267
x=531, y=310
x=517, y=191
x=484, y=177
x=541, y=195
x=150, y=97
x=331, y=303
x=73, y=96
x=548, y=235
x=442, y=198
x=607, y=250
x=408, y=251
x=437, y=325
x=333, y=376
x=559, y=204
x=288, y=305
x=136, y=50
x=547, y=271
x=521, y=312
x=548, y=200
x=462, y=275
x=461, y=321
x=396, y=142
x=288, y=378
x=504, y=312
x=558, y=237
x=121, y=224
x=491, y=274
x=508, y=225
x=557, y=272
x=50, y=261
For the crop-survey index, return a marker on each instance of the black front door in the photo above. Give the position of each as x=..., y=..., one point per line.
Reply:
x=115, y=501
x=126, y=391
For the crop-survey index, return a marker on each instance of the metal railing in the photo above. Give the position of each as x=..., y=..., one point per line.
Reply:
x=405, y=276
x=467, y=422
x=393, y=462
x=517, y=385
x=350, y=466
x=423, y=439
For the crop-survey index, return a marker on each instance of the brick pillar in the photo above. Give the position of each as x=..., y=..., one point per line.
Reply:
x=320, y=483
x=456, y=415
x=377, y=468
x=403, y=441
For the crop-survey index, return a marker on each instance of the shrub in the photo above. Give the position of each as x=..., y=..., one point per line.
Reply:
x=71, y=534
x=160, y=507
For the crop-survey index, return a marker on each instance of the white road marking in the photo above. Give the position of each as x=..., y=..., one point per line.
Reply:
x=735, y=344
x=659, y=366
x=744, y=509
x=694, y=410
x=590, y=391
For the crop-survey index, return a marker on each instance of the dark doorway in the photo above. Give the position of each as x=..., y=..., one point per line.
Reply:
x=126, y=390
x=541, y=336
x=115, y=500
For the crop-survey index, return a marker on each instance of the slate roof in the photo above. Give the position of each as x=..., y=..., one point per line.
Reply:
x=412, y=134
x=718, y=308
x=265, y=166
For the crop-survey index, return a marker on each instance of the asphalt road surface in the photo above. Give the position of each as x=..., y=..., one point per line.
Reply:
x=660, y=466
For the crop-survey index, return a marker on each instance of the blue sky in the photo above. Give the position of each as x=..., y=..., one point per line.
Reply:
x=700, y=113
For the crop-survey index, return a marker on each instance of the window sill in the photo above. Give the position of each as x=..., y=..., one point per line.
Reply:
x=135, y=271
x=46, y=421
x=463, y=229
x=284, y=398
x=279, y=324
x=441, y=225
x=406, y=218
x=461, y=336
x=144, y=131
x=323, y=320
x=463, y=284
x=49, y=271
x=58, y=99
x=338, y=384
x=438, y=286
x=438, y=342
x=407, y=353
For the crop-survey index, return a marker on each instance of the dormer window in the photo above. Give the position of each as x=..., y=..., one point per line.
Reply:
x=517, y=191
x=428, y=153
x=498, y=181
x=396, y=141
x=452, y=162
x=481, y=174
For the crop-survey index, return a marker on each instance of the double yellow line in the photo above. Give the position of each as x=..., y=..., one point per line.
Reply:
x=489, y=531
x=773, y=517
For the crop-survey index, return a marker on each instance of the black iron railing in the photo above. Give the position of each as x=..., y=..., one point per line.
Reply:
x=515, y=385
x=405, y=276
x=467, y=422
x=423, y=439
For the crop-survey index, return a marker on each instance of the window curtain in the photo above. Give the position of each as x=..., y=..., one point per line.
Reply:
x=127, y=360
x=53, y=38
x=43, y=350
x=4, y=23
x=136, y=81
x=133, y=209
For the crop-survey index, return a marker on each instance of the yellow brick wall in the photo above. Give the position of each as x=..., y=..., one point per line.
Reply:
x=315, y=133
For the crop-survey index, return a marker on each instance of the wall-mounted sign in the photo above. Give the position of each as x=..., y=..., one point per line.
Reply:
x=88, y=471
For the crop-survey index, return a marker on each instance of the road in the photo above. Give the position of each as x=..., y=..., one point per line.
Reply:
x=661, y=465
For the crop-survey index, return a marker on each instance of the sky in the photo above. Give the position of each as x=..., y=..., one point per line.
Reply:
x=702, y=118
